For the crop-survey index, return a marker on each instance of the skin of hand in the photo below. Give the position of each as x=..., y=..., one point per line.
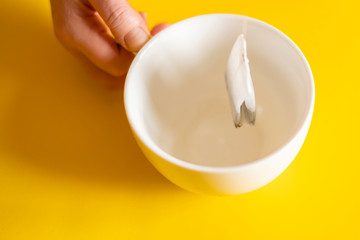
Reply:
x=104, y=33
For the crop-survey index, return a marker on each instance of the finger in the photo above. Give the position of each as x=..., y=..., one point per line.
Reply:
x=97, y=44
x=126, y=24
x=144, y=16
x=159, y=28
x=94, y=40
x=80, y=28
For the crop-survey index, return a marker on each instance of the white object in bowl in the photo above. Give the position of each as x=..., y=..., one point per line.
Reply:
x=178, y=108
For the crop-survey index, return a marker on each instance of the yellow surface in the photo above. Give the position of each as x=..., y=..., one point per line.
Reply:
x=70, y=169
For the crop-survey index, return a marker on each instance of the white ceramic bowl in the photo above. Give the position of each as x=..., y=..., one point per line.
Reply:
x=178, y=108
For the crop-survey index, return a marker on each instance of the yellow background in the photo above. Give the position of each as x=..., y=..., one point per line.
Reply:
x=70, y=169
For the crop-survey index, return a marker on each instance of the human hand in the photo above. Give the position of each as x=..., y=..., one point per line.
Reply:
x=104, y=33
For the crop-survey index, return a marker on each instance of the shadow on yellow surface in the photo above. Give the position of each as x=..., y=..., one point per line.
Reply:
x=60, y=129
x=53, y=116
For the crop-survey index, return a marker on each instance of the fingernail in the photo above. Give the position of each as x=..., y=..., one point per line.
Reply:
x=135, y=39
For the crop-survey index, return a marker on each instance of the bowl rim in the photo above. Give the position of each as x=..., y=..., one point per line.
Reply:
x=153, y=147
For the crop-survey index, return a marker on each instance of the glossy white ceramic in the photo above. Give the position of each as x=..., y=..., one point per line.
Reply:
x=177, y=105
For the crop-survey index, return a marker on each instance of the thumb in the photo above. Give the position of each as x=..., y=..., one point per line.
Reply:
x=126, y=24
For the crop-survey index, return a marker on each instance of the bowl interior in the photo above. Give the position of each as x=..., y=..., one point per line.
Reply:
x=176, y=98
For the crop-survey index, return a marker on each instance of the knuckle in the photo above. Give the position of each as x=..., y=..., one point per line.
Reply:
x=63, y=34
x=66, y=38
x=116, y=17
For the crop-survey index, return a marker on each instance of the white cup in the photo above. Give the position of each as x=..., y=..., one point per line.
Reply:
x=177, y=104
